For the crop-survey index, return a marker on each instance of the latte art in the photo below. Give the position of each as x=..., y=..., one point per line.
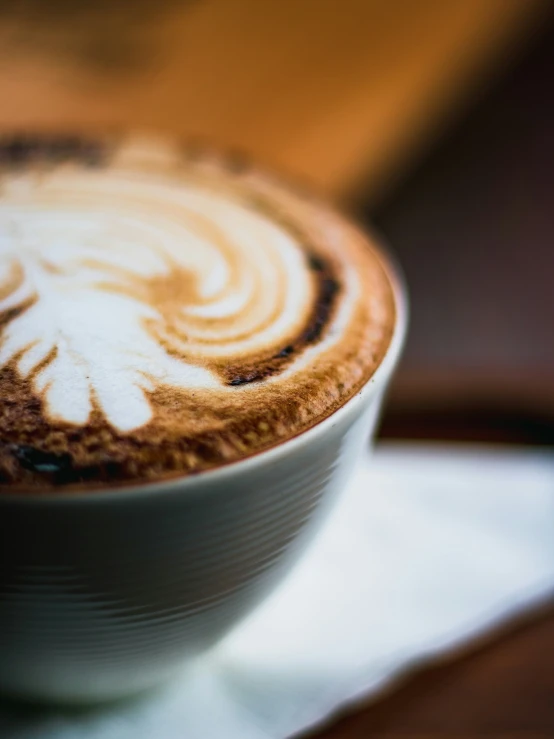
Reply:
x=125, y=298
x=157, y=309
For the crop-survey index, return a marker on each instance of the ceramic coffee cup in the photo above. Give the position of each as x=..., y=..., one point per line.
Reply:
x=109, y=592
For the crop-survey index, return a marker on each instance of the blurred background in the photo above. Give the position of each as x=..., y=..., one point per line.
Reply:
x=432, y=120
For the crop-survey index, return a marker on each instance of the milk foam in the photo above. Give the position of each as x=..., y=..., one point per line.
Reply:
x=163, y=311
x=119, y=284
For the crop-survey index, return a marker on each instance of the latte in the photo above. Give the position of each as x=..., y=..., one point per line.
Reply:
x=164, y=311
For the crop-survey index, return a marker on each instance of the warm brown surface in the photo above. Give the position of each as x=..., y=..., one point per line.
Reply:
x=504, y=689
x=336, y=91
x=473, y=230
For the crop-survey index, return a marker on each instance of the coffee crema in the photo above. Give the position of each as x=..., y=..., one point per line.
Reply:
x=165, y=310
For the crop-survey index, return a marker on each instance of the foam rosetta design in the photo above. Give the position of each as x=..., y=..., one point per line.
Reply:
x=113, y=286
x=165, y=310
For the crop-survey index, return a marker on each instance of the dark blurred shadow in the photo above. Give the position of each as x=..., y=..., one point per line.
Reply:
x=473, y=227
x=105, y=36
x=20, y=719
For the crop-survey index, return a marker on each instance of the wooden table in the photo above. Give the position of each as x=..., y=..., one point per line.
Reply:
x=339, y=92
x=504, y=688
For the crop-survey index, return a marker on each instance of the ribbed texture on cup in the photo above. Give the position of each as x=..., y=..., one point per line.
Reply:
x=106, y=598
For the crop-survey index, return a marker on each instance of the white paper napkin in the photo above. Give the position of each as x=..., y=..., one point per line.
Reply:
x=429, y=547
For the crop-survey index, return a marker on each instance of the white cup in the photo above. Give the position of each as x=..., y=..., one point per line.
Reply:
x=106, y=593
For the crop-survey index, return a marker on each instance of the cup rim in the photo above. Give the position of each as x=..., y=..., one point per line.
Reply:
x=200, y=482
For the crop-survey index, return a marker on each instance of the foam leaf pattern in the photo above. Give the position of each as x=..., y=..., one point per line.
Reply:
x=112, y=288
x=79, y=347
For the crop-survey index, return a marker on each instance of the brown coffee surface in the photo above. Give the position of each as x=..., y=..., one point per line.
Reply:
x=165, y=311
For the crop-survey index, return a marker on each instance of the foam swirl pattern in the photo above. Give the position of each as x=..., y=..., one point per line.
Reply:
x=162, y=314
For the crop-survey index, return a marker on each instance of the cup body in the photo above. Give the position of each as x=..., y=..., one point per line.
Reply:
x=107, y=593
